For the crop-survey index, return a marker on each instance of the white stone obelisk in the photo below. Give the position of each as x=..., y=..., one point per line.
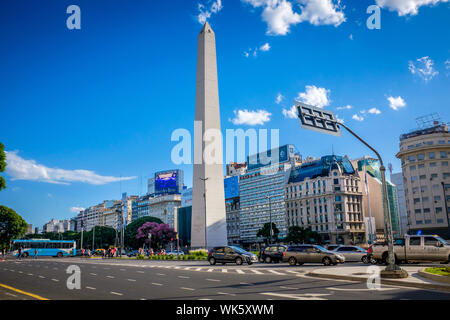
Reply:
x=208, y=208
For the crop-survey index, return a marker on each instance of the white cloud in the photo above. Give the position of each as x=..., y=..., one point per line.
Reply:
x=21, y=169
x=447, y=64
x=265, y=47
x=279, y=98
x=347, y=107
x=76, y=209
x=205, y=14
x=280, y=16
x=406, y=7
x=49, y=195
x=351, y=37
x=423, y=67
x=246, y=54
x=317, y=97
x=251, y=118
x=357, y=117
x=291, y=113
x=396, y=103
x=374, y=111
x=322, y=12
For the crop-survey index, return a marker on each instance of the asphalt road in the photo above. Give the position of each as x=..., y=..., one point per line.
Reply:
x=107, y=279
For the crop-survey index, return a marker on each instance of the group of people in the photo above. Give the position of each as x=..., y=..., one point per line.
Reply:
x=150, y=252
x=110, y=253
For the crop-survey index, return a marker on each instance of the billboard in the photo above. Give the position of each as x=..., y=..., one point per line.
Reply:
x=167, y=182
x=265, y=158
x=231, y=186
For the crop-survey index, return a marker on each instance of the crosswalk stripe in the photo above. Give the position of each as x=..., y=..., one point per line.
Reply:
x=275, y=272
x=256, y=271
x=240, y=271
x=224, y=270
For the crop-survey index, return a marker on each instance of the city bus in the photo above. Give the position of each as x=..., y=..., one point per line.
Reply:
x=45, y=248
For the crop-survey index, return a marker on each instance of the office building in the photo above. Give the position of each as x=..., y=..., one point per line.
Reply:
x=424, y=154
x=159, y=206
x=397, y=180
x=55, y=225
x=236, y=169
x=232, y=208
x=325, y=196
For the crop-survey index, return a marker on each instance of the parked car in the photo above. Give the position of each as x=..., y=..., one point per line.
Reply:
x=272, y=253
x=331, y=247
x=309, y=253
x=231, y=254
x=351, y=253
x=414, y=248
x=175, y=253
x=133, y=253
x=99, y=252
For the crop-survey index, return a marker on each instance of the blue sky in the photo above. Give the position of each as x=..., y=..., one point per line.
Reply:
x=101, y=103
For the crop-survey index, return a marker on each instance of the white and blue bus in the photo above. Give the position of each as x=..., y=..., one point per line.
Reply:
x=44, y=247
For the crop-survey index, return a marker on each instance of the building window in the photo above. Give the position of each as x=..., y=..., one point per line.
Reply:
x=445, y=163
x=431, y=155
x=426, y=210
x=412, y=168
x=423, y=177
x=413, y=178
x=440, y=220
x=418, y=211
x=420, y=157
x=432, y=164
x=412, y=158
x=443, y=154
x=438, y=210
x=419, y=222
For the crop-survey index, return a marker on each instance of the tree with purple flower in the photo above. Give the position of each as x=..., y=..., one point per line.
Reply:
x=161, y=234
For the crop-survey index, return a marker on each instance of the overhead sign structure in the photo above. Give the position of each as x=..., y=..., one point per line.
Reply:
x=316, y=119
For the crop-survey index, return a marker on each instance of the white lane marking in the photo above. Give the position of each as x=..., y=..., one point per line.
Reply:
x=160, y=274
x=198, y=269
x=212, y=280
x=156, y=284
x=294, y=272
x=30, y=274
x=184, y=288
x=122, y=270
x=131, y=280
x=204, y=299
x=288, y=288
x=90, y=288
x=177, y=267
x=42, y=277
x=226, y=293
x=224, y=270
x=276, y=272
x=305, y=296
x=94, y=274
x=19, y=271
x=116, y=293
x=140, y=271
x=183, y=277
x=111, y=277
x=56, y=280
x=210, y=270
x=256, y=271
x=361, y=289
x=240, y=271
x=187, y=268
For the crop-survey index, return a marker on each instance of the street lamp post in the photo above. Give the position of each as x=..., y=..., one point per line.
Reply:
x=446, y=207
x=204, y=197
x=93, y=237
x=325, y=121
x=270, y=218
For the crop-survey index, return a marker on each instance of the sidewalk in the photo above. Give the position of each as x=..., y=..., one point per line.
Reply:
x=362, y=273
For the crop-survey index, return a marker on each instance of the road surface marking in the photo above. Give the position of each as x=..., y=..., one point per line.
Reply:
x=90, y=288
x=19, y=271
x=294, y=272
x=42, y=277
x=55, y=268
x=10, y=294
x=111, y=277
x=116, y=293
x=187, y=268
x=225, y=293
x=198, y=269
x=30, y=274
x=212, y=280
x=140, y=271
x=122, y=270
x=204, y=299
x=160, y=274
x=56, y=280
x=156, y=284
x=240, y=271
x=184, y=288
x=288, y=288
x=23, y=292
x=94, y=274
x=177, y=267
x=183, y=277
x=305, y=296
x=131, y=280
x=224, y=270
x=256, y=271
x=363, y=289
x=210, y=270
x=276, y=272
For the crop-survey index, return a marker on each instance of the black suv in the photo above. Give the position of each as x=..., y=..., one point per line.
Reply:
x=230, y=254
x=272, y=253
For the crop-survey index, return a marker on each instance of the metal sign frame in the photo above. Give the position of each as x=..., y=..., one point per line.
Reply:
x=317, y=119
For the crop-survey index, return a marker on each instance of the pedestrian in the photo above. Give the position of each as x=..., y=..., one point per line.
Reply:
x=19, y=253
x=82, y=252
x=35, y=253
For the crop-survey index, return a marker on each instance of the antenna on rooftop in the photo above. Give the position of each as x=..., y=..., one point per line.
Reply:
x=390, y=167
x=429, y=120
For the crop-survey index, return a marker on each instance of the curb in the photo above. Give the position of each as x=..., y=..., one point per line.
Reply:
x=434, y=277
x=428, y=286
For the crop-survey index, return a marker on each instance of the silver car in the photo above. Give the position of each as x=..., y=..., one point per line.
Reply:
x=306, y=253
x=351, y=253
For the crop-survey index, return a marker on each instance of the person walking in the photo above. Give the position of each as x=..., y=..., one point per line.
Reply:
x=19, y=253
x=35, y=253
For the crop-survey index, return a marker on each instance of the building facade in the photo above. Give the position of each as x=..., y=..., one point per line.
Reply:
x=163, y=207
x=236, y=168
x=424, y=155
x=325, y=195
x=55, y=225
x=397, y=180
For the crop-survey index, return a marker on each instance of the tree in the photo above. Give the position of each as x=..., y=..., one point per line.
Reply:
x=131, y=231
x=264, y=232
x=299, y=235
x=161, y=234
x=2, y=165
x=12, y=226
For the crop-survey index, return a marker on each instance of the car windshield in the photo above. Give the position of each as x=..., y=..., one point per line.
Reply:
x=239, y=250
x=321, y=248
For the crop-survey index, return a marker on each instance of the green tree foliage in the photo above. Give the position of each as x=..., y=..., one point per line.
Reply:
x=103, y=237
x=12, y=226
x=264, y=232
x=131, y=232
x=300, y=235
x=2, y=165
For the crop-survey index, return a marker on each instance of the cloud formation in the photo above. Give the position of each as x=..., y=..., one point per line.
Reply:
x=76, y=209
x=374, y=111
x=251, y=118
x=407, y=7
x=396, y=102
x=423, y=67
x=279, y=98
x=347, y=107
x=205, y=13
x=357, y=117
x=22, y=169
x=315, y=96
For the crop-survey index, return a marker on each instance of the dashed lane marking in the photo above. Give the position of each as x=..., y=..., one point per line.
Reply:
x=212, y=280
x=90, y=288
x=116, y=293
x=275, y=272
x=240, y=271
x=224, y=270
x=226, y=293
x=184, y=288
x=156, y=284
x=132, y=280
x=256, y=271
x=183, y=277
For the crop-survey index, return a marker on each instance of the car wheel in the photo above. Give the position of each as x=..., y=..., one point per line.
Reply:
x=238, y=261
x=268, y=259
x=292, y=261
x=59, y=255
x=260, y=258
x=365, y=259
x=249, y=263
x=326, y=261
x=212, y=261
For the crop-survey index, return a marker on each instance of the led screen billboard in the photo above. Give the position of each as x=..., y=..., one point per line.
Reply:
x=231, y=185
x=166, y=182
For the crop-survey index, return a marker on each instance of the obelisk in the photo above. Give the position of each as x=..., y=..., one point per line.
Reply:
x=208, y=206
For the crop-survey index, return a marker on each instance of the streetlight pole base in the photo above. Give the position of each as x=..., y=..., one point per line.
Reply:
x=393, y=272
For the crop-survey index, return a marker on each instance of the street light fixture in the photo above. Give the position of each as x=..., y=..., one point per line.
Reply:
x=324, y=121
x=270, y=217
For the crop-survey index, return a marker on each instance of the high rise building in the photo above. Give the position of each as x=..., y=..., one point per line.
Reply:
x=397, y=180
x=325, y=195
x=163, y=207
x=55, y=225
x=261, y=192
x=232, y=207
x=30, y=229
x=208, y=203
x=236, y=168
x=424, y=154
